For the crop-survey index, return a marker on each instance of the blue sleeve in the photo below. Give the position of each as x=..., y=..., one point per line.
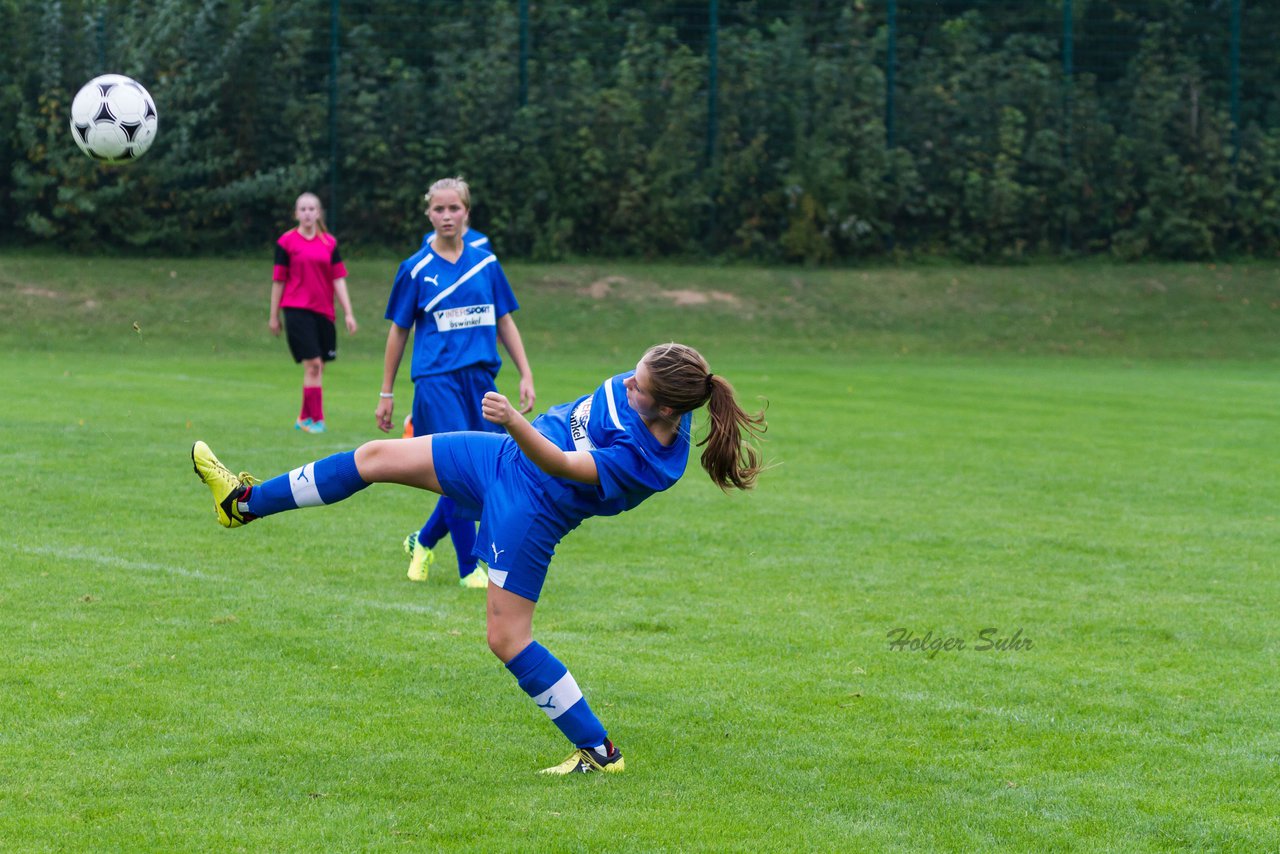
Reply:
x=623, y=470
x=504, y=300
x=402, y=305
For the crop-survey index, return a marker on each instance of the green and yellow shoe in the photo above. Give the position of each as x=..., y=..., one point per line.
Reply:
x=227, y=488
x=585, y=760
x=420, y=559
x=477, y=579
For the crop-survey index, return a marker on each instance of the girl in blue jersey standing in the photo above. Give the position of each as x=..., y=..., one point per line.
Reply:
x=478, y=240
x=599, y=455
x=454, y=297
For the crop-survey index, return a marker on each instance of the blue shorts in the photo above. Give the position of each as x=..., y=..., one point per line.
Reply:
x=519, y=525
x=449, y=403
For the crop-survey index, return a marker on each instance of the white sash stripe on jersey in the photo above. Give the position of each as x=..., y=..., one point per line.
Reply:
x=424, y=262
x=560, y=697
x=578, y=423
x=302, y=483
x=488, y=259
x=613, y=407
x=481, y=242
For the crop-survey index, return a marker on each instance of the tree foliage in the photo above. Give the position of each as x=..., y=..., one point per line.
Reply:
x=621, y=147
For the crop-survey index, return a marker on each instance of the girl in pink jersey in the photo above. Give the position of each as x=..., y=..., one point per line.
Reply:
x=308, y=275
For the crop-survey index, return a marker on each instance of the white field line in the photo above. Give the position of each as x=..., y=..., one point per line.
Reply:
x=112, y=561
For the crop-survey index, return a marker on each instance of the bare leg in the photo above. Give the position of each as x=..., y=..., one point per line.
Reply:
x=405, y=461
x=312, y=372
x=509, y=621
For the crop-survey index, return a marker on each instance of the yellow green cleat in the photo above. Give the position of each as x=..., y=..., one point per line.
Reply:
x=420, y=559
x=586, y=760
x=477, y=579
x=227, y=488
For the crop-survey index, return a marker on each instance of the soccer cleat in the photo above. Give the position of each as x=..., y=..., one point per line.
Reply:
x=477, y=579
x=420, y=560
x=585, y=760
x=303, y=424
x=226, y=487
x=316, y=427
x=408, y=427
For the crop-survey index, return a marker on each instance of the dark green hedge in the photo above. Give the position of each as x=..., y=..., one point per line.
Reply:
x=995, y=157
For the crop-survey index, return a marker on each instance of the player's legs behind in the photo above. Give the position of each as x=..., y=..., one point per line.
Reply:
x=420, y=545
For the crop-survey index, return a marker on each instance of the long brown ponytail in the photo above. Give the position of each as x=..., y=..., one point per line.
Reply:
x=682, y=380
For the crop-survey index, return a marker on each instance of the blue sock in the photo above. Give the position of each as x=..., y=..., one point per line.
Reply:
x=325, y=481
x=554, y=690
x=437, y=524
x=463, y=533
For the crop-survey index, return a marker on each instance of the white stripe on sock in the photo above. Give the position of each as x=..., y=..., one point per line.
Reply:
x=560, y=697
x=302, y=483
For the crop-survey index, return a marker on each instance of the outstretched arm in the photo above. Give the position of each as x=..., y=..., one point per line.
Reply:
x=571, y=465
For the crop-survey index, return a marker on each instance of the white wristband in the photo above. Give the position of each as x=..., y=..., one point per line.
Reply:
x=386, y=395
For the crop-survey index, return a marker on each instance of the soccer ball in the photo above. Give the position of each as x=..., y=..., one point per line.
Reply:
x=113, y=119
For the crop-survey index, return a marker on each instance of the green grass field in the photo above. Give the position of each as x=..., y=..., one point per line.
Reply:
x=1079, y=461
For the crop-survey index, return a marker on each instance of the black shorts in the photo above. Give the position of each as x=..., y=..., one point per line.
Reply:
x=311, y=335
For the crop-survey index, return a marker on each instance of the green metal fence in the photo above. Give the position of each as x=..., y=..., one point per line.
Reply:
x=1093, y=40
x=815, y=130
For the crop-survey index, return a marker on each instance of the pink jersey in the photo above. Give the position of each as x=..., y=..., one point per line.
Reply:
x=308, y=269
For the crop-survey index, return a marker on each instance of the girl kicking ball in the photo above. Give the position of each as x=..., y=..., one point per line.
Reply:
x=599, y=455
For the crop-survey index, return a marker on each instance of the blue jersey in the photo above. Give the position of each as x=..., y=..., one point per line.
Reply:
x=472, y=238
x=453, y=309
x=631, y=462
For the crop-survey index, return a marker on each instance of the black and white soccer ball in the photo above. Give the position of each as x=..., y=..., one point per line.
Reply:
x=113, y=119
